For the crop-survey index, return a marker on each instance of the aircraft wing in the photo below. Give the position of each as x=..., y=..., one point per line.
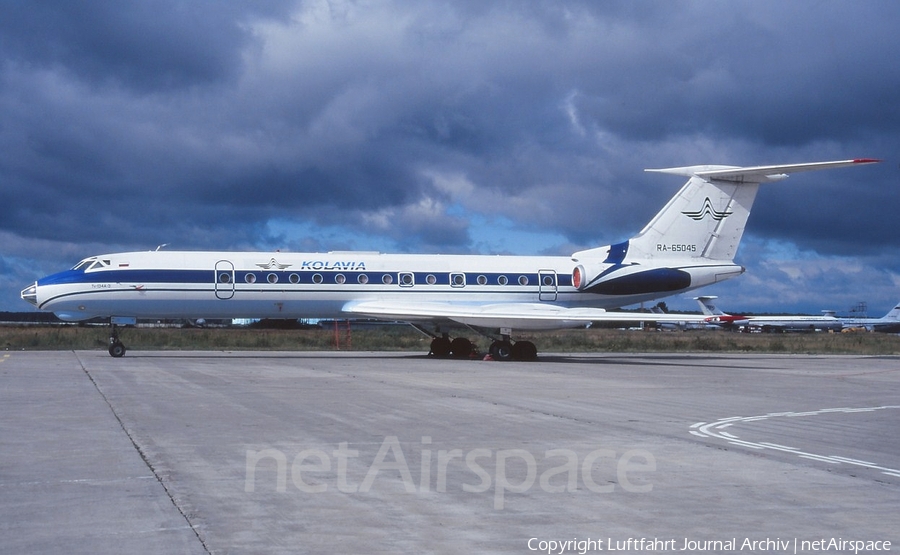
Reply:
x=529, y=316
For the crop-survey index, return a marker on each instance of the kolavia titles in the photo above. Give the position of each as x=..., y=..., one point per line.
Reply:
x=349, y=266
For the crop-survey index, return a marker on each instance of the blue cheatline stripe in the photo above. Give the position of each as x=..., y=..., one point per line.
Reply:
x=116, y=276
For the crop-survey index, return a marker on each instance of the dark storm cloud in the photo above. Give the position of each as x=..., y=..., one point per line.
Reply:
x=132, y=124
x=157, y=45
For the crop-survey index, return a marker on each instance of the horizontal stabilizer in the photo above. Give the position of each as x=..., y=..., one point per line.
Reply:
x=758, y=174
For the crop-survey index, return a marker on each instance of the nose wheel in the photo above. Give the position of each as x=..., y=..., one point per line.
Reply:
x=116, y=347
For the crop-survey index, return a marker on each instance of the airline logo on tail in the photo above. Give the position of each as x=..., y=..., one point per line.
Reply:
x=707, y=210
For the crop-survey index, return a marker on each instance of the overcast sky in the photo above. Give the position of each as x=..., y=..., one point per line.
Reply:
x=449, y=127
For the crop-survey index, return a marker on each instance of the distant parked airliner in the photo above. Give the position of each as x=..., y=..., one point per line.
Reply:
x=826, y=322
x=690, y=243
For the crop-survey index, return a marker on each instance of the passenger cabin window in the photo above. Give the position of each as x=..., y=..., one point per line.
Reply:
x=406, y=279
x=457, y=280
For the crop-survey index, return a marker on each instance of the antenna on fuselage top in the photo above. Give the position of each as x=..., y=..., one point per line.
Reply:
x=160, y=247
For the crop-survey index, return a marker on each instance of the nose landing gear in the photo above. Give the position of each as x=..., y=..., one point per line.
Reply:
x=116, y=347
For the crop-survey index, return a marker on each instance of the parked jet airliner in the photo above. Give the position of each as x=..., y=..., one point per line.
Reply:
x=690, y=243
x=889, y=323
x=826, y=322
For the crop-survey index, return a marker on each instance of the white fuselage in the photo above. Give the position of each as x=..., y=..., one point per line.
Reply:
x=792, y=323
x=184, y=284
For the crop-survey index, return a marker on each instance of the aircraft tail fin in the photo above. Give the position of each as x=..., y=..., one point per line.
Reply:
x=894, y=314
x=707, y=306
x=707, y=217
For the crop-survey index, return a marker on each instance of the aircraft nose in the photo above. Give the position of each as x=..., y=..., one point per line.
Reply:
x=30, y=294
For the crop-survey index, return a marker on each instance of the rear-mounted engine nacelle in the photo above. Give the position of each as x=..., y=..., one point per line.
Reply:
x=629, y=280
x=582, y=277
x=579, y=279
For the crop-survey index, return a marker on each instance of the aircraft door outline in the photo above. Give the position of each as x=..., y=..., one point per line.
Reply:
x=224, y=279
x=548, y=285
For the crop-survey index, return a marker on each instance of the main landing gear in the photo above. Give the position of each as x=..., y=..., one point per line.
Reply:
x=505, y=349
x=460, y=347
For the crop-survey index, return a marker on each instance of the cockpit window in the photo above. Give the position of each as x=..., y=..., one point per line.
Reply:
x=84, y=263
x=92, y=263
